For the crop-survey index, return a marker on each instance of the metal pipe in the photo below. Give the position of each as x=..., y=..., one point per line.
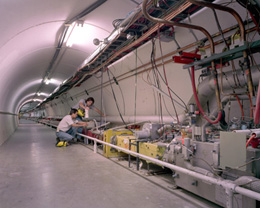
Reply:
x=129, y=46
x=119, y=127
x=214, y=113
x=64, y=32
x=206, y=87
x=167, y=55
x=212, y=49
x=243, y=37
x=249, y=132
x=158, y=59
x=225, y=9
x=224, y=183
x=8, y=113
x=198, y=102
x=250, y=182
x=141, y=119
x=164, y=128
x=198, y=169
x=168, y=22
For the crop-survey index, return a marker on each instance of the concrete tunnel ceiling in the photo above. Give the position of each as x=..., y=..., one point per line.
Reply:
x=30, y=33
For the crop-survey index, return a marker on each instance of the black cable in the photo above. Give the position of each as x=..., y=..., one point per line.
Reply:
x=101, y=117
x=135, y=82
x=169, y=87
x=172, y=90
x=115, y=98
x=117, y=83
x=224, y=40
x=219, y=28
x=156, y=78
x=167, y=108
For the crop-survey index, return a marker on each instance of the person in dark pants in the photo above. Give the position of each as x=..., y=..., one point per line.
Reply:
x=84, y=106
x=67, y=128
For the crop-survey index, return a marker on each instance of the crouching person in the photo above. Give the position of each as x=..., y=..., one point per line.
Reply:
x=67, y=128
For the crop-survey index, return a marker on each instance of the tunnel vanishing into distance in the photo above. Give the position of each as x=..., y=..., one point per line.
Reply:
x=175, y=85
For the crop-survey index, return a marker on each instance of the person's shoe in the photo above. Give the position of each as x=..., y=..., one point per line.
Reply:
x=61, y=144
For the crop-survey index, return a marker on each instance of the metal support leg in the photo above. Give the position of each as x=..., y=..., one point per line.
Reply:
x=137, y=158
x=129, y=156
x=86, y=141
x=95, y=146
x=229, y=202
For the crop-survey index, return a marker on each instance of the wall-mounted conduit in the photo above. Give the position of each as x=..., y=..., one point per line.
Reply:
x=212, y=49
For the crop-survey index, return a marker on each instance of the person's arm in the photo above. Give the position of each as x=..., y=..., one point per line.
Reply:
x=80, y=124
x=82, y=106
x=98, y=111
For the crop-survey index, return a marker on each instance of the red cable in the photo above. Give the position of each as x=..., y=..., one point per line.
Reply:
x=252, y=137
x=242, y=111
x=166, y=79
x=198, y=102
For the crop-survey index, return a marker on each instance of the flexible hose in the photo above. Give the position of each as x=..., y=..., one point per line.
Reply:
x=252, y=137
x=242, y=111
x=198, y=102
x=212, y=50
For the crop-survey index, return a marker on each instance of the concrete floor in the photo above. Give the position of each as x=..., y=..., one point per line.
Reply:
x=36, y=174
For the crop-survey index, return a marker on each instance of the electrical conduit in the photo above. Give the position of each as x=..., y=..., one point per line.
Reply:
x=212, y=49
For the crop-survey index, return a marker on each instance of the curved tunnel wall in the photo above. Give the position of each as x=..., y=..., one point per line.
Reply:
x=8, y=125
x=147, y=98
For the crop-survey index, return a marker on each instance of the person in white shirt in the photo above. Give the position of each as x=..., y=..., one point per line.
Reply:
x=85, y=105
x=67, y=127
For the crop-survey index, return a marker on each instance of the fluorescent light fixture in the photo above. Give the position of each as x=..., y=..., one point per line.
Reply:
x=55, y=81
x=68, y=35
x=64, y=81
x=46, y=81
x=43, y=94
x=52, y=81
x=56, y=89
x=79, y=33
